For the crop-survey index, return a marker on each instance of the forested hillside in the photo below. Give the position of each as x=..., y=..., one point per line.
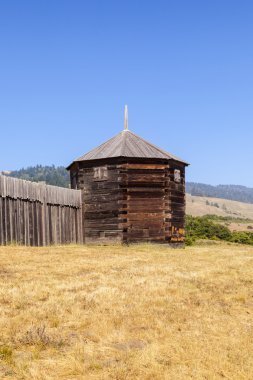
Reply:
x=52, y=175
x=232, y=192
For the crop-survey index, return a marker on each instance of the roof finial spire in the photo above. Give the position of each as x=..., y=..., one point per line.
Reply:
x=126, y=119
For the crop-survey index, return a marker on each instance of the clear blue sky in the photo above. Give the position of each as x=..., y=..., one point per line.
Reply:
x=185, y=69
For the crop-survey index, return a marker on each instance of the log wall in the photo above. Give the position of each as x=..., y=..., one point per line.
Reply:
x=131, y=201
x=101, y=199
x=145, y=204
x=36, y=214
x=176, y=200
x=154, y=203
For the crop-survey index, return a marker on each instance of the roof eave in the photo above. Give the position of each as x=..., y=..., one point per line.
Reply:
x=126, y=157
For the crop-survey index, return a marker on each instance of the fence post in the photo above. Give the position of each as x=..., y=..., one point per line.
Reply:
x=44, y=206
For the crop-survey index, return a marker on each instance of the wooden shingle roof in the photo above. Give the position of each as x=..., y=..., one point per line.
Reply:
x=127, y=144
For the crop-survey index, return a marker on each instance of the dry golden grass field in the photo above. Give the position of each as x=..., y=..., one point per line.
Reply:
x=139, y=312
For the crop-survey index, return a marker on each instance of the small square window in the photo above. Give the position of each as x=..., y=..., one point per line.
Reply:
x=100, y=173
x=177, y=176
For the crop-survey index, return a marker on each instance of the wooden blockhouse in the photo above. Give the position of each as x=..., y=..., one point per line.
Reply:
x=132, y=191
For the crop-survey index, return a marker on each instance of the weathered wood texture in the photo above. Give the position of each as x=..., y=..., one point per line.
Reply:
x=36, y=214
x=154, y=203
x=134, y=201
x=101, y=200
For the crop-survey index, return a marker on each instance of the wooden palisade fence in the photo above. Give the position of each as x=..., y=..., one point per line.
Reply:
x=36, y=214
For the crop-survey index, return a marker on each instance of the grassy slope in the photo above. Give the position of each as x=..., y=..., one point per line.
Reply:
x=196, y=206
x=139, y=312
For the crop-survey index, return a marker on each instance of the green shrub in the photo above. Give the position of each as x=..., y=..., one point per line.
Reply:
x=203, y=228
x=206, y=227
x=242, y=237
x=189, y=240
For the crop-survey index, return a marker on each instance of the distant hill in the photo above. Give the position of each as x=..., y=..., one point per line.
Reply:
x=199, y=206
x=52, y=175
x=232, y=192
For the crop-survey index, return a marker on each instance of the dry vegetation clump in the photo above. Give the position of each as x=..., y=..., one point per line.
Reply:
x=138, y=312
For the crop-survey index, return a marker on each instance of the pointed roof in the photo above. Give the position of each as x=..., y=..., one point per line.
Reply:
x=127, y=144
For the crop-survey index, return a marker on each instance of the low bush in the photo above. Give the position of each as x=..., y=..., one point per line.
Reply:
x=204, y=227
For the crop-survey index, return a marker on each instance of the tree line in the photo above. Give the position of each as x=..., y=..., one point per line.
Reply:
x=51, y=175
x=232, y=192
